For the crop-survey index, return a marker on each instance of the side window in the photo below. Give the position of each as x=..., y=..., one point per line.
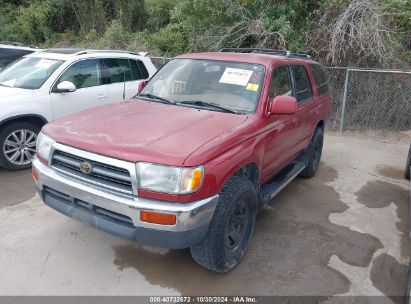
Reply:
x=83, y=74
x=320, y=78
x=118, y=70
x=280, y=83
x=135, y=70
x=302, y=84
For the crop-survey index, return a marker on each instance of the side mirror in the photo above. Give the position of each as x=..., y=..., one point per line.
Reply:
x=283, y=105
x=141, y=85
x=66, y=86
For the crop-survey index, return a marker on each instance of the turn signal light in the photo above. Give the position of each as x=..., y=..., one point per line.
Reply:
x=35, y=174
x=158, y=218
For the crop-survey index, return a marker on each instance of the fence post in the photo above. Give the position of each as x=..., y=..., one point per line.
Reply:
x=346, y=83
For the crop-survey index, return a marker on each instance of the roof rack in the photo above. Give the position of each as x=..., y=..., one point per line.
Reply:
x=266, y=51
x=83, y=52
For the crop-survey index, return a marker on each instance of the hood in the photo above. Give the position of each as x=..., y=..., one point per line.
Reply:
x=13, y=93
x=138, y=130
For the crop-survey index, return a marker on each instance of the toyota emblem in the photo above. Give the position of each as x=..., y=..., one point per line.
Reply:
x=85, y=167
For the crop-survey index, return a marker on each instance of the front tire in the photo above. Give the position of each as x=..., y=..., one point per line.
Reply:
x=18, y=145
x=231, y=227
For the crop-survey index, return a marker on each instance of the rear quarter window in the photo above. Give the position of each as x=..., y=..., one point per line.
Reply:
x=320, y=78
x=143, y=69
x=138, y=70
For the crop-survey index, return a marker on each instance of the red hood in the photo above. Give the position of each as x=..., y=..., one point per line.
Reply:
x=141, y=131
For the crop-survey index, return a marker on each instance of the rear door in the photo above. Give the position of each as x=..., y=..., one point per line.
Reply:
x=321, y=85
x=306, y=102
x=91, y=90
x=124, y=75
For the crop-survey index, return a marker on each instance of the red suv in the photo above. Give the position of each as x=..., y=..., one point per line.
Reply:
x=187, y=161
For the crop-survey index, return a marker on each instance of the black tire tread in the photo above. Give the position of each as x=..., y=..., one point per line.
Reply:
x=210, y=253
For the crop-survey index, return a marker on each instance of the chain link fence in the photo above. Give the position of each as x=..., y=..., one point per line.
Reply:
x=159, y=61
x=363, y=99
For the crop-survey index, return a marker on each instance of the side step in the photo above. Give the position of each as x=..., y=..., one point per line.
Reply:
x=282, y=179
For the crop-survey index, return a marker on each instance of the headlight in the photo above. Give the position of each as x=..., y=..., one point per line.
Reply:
x=173, y=180
x=43, y=146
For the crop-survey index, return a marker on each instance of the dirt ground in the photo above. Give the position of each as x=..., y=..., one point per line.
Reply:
x=343, y=232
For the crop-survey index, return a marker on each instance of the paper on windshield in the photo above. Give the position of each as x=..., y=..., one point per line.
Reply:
x=44, y=63
x=236, y=76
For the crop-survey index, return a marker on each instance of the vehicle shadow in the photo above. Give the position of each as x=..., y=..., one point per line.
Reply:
x=15, y=187
x=289, y=253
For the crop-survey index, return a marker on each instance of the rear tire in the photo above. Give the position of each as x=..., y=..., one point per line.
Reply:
x=314, y=154
x=231, y=227
x=18, y=145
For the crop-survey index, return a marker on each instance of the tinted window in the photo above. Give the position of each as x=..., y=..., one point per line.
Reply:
x=143, y=69
x=135, y=70
x=320, y=78
x=83, y=74
x=119, y=70
x=9, y=55
x=302, y=84
x=280, y=82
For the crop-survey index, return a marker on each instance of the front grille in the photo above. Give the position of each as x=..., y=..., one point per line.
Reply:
x=102, y=175
x=105, y=213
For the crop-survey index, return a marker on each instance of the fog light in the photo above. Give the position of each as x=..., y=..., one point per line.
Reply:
x=35, y=175
x=158, y=218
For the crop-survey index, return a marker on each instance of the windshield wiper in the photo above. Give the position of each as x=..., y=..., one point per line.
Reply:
x=151, y=96
x=207, y=105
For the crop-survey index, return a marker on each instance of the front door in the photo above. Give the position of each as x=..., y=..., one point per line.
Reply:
x=282, y=130
x=90, y=92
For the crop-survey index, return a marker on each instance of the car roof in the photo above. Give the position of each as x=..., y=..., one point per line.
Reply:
x=69, y=53
x=16, y=46
x=256, y=58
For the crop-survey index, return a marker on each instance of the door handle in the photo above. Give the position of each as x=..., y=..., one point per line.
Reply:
x=102, y=96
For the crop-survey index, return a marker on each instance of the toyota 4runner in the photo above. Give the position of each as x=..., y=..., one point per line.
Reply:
x=187, y=162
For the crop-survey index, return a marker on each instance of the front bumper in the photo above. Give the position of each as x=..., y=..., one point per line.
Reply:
x=120, y=215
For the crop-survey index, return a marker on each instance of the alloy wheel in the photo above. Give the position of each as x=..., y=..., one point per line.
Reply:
x=19, y=148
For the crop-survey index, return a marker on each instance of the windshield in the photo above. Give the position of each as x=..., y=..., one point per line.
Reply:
x=28, y=73
x=230, y=85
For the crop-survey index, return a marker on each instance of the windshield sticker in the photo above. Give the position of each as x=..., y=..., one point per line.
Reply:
x=44, y=63
x=252, y=87
x=255, y=77
x=236, y=76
